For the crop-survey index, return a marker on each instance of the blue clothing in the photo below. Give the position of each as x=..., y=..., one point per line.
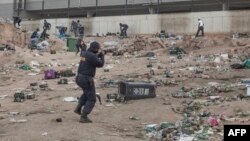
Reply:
x=89, y=62
x=88, y=98
x=34, y=35
x=86, y=71
x=33, y=41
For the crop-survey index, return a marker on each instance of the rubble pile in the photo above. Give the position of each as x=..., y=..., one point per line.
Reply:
x=57, y=44
x=131, y=46
x=12, y=37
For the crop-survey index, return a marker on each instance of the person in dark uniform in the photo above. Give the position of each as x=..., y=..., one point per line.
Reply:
x=46, y=26
x=123, y=28
x=17, y=20
x=81, y=31
x=80, y=46
x=75, y=27
x=90, y=60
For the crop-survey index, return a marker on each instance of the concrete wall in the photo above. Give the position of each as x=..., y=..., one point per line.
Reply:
x=6, y=8
x=215, y=22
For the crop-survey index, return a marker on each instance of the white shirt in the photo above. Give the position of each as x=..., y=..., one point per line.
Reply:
x=201, y=24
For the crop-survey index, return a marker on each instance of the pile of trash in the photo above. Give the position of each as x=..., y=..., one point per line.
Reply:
x=240, y=35
x=51, y=44
x=36, y=67
x=209, y=42
x=176, y=51
x=210, y=90
x=22, y=95
x=4, y=47
x=133, y=45
x=191, y=128
x=57, y=44
x=53, y=74
x=244, y=65
x=197, y=124
x=168, y=35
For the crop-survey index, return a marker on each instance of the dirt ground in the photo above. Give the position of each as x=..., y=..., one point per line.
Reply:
x=113, y=123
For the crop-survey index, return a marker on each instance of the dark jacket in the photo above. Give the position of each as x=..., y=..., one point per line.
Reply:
x=46, y=25
x=81, y=47
x=34, y=35
x=89, y=62
x=81, y=30
x=124, y=26
x=74, y=25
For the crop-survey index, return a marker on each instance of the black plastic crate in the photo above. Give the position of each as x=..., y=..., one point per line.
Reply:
x=136, y=90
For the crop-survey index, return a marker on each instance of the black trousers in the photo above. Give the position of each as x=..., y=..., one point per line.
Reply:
x=44, y=34
x=17, y=21
x=200, y=29
x=78, y=47
x=88, y=98
x=124, y=32
x=75, y=30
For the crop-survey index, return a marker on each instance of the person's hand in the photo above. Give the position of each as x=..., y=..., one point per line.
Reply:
x=100, y=55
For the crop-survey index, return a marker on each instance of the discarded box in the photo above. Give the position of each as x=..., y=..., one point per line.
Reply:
x=136, y=90
x=30, y=96
x=43, y=86
x=19, y=96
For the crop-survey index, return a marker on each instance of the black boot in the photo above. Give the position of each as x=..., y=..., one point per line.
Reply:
x=78, y=109
x=84, y=118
